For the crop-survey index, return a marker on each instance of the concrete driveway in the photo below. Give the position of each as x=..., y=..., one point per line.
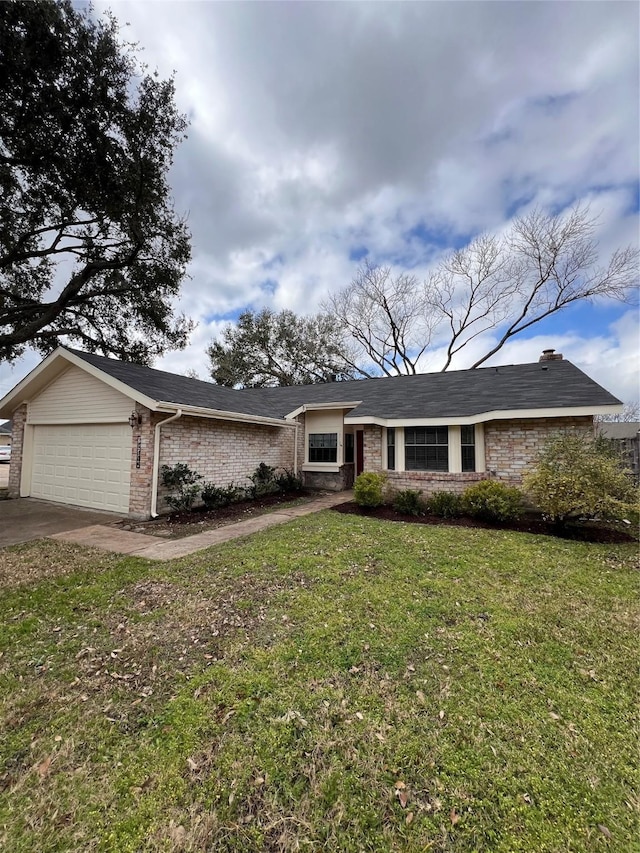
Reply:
x=25, y=519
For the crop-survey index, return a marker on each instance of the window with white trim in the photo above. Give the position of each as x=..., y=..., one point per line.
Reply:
x=426, y=448
x=323, y=447
x=468, y=447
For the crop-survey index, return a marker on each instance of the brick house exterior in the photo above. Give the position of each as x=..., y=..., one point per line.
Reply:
x=92, y=431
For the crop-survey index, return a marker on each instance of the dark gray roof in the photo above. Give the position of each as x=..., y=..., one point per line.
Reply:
x=460, y=393
x=6, y=428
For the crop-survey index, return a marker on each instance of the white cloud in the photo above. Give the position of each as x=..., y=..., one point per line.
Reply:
x=317, y=129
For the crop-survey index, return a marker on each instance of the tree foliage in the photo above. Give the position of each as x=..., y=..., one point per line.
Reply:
x=266, y=349
x=91, y=249
x=499, y=284
x=580, y=477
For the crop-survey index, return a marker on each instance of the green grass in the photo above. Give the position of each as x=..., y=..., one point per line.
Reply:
x=337, y=683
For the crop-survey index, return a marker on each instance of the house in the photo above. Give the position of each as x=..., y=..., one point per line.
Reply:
x=625, y=437
x=92, y=431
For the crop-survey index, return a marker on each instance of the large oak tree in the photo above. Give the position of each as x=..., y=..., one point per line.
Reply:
x=268, y=348
x=91, y=249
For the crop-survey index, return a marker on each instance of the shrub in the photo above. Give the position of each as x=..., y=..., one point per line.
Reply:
x=288, y=481
x=492, y=501
x=184, y=482
x=580, y=477
x=368, y=489
x=264, y=481
x=216, y=497
x=445, y=504
x=409, y=502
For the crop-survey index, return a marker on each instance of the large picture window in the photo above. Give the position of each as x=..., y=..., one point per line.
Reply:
x=426, y=448
x=468, y=447
x=323, y=447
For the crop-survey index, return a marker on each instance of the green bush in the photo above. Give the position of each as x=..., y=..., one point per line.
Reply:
x=287, y=481
x=217, y=497
x=184, y=482
x=264, y=481
x=445, y=504
x=409, y=502
x=492, y=501
x=580, y=477
x=368, y=489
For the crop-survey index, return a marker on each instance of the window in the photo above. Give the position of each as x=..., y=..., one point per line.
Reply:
x=426, y=448
x=391, y=449
x=323, y=447
x=468, y=446
x=348, y=447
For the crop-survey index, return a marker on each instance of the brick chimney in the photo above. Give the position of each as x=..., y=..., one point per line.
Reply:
x=550, y=355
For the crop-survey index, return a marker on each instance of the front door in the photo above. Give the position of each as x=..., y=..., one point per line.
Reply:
x=359, y=452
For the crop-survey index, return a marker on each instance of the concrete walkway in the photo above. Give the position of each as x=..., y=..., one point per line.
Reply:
x=157, y=548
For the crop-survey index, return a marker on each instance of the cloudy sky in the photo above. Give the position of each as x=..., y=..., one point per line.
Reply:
x=321, y=132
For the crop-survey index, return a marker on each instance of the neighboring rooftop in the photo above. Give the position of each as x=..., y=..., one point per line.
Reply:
x=619, y=430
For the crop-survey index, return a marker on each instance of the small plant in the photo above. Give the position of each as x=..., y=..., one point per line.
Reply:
x=368, y=489
x=217, y=497
x=288, y=481
x=580, y=477
x=490, y=500
x=264, y=481
x=184, y=482
x=409, y=502
x=445, y=504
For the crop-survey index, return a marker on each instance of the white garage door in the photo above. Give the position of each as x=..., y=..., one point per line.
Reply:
x=88, y=465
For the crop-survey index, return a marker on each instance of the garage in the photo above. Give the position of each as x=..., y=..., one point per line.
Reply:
x=83, y=464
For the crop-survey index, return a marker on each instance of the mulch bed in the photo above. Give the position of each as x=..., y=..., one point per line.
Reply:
x=179, y=524
x=588, y=532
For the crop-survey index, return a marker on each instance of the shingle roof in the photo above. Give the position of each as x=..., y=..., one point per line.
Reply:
x=460, y=393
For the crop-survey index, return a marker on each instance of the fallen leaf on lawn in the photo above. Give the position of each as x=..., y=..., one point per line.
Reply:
x=400, y=785
x=421, y=697
x=359, y=715
x=43, y=767
x=554, y=716
x=455, y=817
x=409, y=818
x=192, y=764
x=403, y=797
x=441, y=714
x=604, y=830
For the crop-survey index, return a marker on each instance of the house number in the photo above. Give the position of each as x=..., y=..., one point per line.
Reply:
x=138, y=450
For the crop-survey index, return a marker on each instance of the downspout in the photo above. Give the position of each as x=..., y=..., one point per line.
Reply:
x=295, y=448
x=156, y=462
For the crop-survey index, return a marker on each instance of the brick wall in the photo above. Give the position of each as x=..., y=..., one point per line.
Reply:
x=372, y=448
x=224, y=452
x=15, y=468
x=140, y=489
x=511, y=446
x=429, y=482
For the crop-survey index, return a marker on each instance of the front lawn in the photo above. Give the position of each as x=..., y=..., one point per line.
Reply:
x=338, y=683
